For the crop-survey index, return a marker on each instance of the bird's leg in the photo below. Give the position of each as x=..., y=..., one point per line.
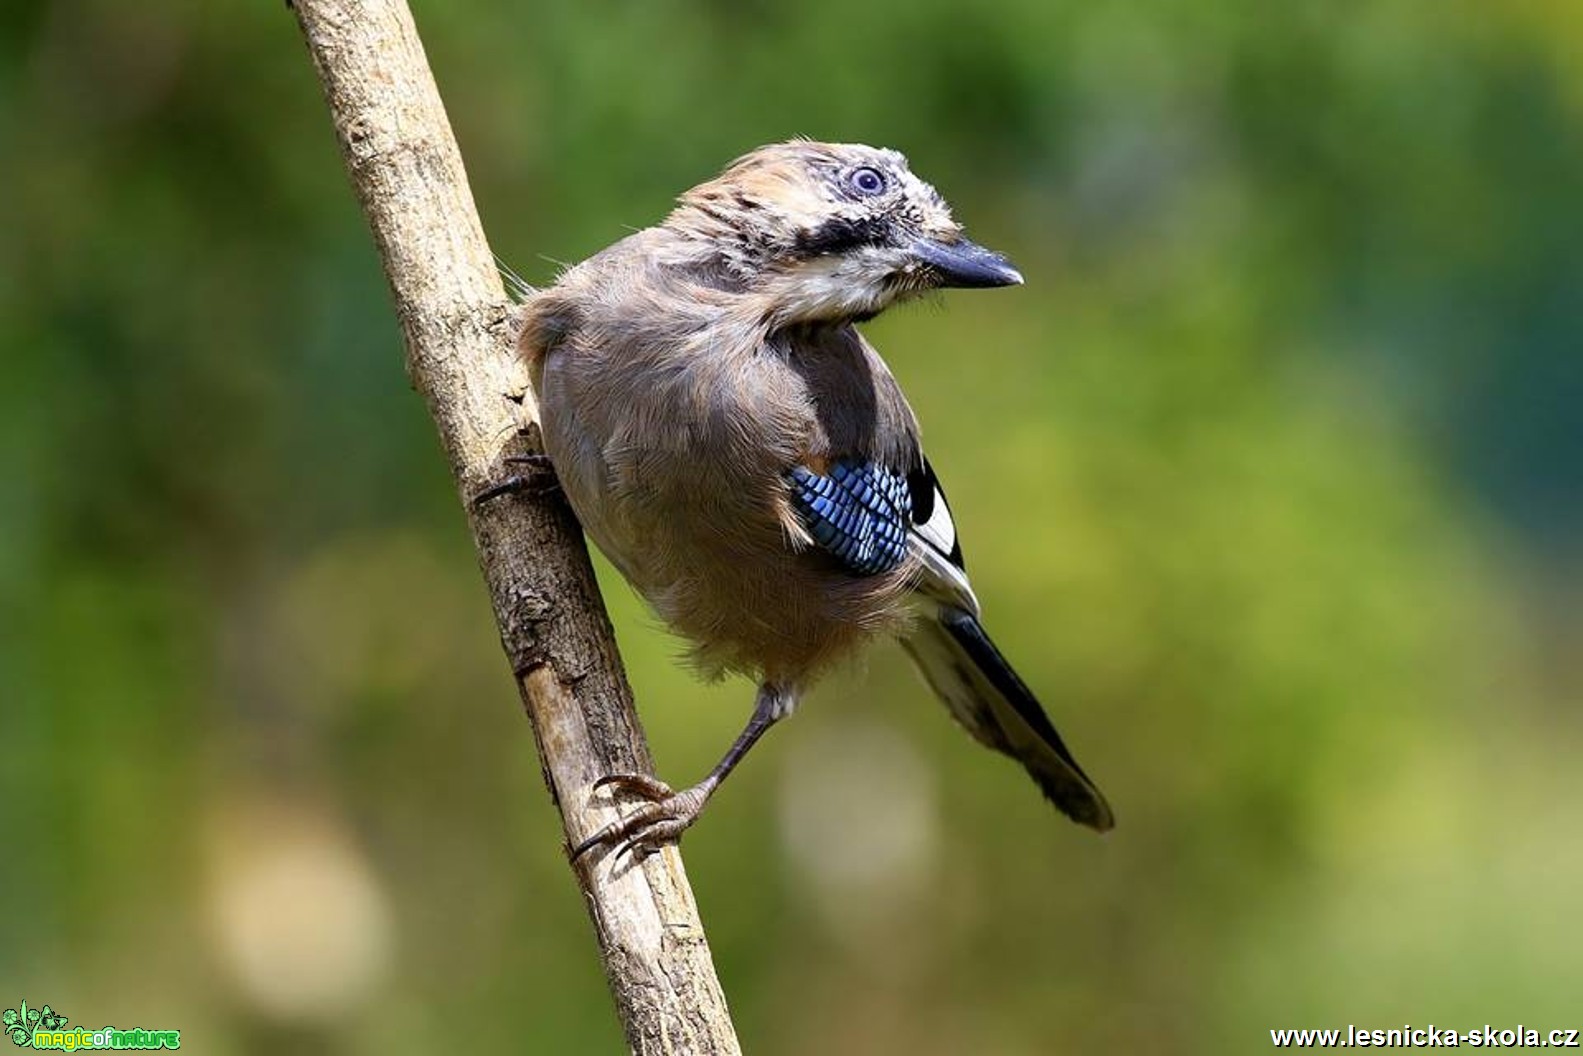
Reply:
x=667, y=814
x=538, y=477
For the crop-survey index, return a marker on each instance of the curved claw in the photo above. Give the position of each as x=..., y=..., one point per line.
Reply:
x=647, y=837
x=641, y=784
x=539, y=477
x=606, y=833
x=661, y=820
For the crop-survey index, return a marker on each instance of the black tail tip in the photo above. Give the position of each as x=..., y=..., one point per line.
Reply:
x=1079, y=801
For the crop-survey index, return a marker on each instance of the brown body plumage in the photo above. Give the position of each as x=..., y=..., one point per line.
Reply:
x=684, y=488
x=688, y=373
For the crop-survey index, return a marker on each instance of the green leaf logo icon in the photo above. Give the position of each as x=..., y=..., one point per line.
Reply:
x=20, y=1023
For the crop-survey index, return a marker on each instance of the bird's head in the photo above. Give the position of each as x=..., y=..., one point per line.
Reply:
x=829, y=232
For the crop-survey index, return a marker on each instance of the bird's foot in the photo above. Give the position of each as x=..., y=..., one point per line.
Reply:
x=662, y=819
x=537, y=477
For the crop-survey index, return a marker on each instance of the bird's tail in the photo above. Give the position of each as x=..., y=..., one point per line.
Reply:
x=964, y=668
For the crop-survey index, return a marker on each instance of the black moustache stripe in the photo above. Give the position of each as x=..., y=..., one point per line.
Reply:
x=839, y=235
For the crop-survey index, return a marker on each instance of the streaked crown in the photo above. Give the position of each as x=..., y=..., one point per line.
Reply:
x=831, y=231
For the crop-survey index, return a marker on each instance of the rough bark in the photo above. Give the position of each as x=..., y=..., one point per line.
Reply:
x=457, y=325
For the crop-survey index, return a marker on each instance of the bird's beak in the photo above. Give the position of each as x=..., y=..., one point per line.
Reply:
x=965, y=264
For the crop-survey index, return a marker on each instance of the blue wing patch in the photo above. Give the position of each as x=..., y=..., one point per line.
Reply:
x=859, y=511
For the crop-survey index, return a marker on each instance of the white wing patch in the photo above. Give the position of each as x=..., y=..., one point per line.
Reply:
x=939, y=531
x=934, y=542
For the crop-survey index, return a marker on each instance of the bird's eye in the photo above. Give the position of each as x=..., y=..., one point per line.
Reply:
x=866, y=182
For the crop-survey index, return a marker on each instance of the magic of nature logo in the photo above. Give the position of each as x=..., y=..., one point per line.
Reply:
x=45, y=1028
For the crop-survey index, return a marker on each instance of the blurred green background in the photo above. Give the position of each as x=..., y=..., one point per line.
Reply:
x=1269, y=478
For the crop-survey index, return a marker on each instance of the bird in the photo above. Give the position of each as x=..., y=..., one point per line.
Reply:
x=734, y=445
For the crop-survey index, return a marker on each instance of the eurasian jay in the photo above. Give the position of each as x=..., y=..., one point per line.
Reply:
x=747, y=461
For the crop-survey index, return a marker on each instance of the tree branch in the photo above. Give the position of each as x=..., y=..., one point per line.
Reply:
x=457, y=324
